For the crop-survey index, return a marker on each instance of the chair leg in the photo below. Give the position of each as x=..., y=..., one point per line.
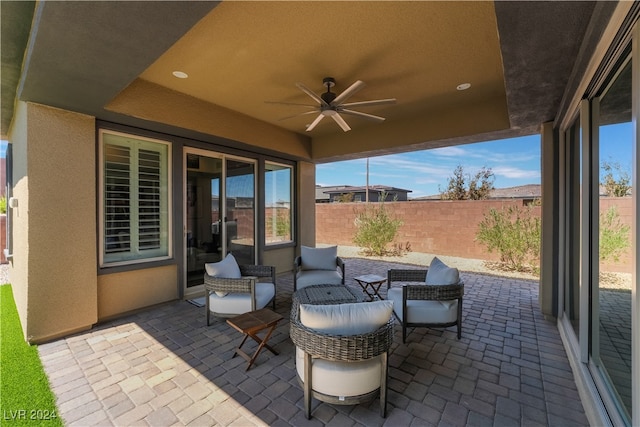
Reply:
x=307, y=385
x=404, y=333
x=383, y=384
x=206, y=296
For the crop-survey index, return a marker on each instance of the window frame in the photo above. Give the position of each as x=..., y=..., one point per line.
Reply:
x=269, y=244
x=166, y=227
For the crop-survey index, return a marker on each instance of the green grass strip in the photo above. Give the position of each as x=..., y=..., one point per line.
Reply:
x=25, y=396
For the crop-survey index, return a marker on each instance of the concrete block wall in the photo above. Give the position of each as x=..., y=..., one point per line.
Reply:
x=442, y=227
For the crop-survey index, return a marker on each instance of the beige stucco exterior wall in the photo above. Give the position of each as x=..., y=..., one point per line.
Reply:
x=281, y=259
x=549, y=255
x=123, y=292
x=53, y=269
x=306, y=204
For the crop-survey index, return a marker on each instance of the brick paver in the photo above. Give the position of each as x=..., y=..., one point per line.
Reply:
x=166, y=367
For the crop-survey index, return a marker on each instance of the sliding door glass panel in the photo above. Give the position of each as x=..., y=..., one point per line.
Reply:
x=613, y=355
x=278, y=209
x=240, y=216
x=203, y=243
x=572, y=227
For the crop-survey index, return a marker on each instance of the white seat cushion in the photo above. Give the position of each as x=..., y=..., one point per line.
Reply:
x=342, y=378
x=318, y=277
x=238, y=303
x=346, y=319
x=421, y=311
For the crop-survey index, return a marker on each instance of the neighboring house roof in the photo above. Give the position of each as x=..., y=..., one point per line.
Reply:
x=322, y=193
x=528, y=191
x=362, y=189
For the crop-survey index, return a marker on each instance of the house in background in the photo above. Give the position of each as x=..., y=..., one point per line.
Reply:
x=348, y=193
x=528, y=193
x=124, y=118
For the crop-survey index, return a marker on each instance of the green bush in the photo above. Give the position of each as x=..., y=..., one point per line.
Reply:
x=375, y=228
x=514, y=233
x=3, y=205
x=614, y=236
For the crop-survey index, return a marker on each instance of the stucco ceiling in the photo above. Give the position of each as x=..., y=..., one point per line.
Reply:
x=517, y=56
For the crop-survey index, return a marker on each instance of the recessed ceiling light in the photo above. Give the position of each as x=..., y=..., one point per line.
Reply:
x=180, y=74
x=463, y=86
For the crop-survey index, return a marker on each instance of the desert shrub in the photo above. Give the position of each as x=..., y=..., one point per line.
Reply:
x=614, y=236
x=375, y=228
x=515, y=234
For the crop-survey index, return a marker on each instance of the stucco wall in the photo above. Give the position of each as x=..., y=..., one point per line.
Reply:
x=120, y=293
x=54, y=256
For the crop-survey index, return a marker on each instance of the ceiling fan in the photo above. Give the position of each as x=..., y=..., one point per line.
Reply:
x=332, y=105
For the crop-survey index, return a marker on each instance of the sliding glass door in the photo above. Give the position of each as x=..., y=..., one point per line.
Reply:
x=219, y=212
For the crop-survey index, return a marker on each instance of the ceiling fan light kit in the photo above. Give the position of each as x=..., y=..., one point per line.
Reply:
x=330, y=104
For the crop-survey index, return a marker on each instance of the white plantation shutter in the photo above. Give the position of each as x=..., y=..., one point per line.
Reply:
x=135, y=199
x=149, y=209
x=117, y=200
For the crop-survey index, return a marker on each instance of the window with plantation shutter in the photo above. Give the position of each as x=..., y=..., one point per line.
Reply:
x=134, y=200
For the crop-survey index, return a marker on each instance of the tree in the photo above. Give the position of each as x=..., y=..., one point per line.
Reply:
x=615, y=187
x=344, y=198
x=479, y=187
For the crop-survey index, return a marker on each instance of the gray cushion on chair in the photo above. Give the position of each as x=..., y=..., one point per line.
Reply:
x=440, y=274
x=227, y=268
x=319, y=258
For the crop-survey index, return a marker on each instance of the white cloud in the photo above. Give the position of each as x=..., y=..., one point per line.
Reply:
x=454, y=151
x=515, y=173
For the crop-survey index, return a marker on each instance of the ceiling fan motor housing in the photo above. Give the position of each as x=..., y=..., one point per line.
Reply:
x=328, y=96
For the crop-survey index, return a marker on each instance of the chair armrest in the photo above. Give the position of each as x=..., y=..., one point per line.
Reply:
x=405, y=275
x=258, y=271
x=340, y=264
x=342, y=347
x=222, y=284
x=433, y=292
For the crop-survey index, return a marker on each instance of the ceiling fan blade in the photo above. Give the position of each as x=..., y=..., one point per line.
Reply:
x=340, y=121
x=348, y=92
x=299, y=114
x=311, y=94
x=364, y=115
x=315, y=122
x=368, y=103
x=291, y=103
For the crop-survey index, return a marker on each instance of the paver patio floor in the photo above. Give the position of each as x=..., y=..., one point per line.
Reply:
x=164, y=366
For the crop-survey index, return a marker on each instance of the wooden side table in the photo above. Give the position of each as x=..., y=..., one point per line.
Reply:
x=250, y=324
x=370, y=284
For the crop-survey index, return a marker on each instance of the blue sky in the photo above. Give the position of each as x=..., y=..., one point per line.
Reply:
x=514, y=161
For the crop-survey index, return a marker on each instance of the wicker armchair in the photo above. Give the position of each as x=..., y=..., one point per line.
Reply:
x=332, y=361
x=317, y=266
x=420, y=305
x=229, y=297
